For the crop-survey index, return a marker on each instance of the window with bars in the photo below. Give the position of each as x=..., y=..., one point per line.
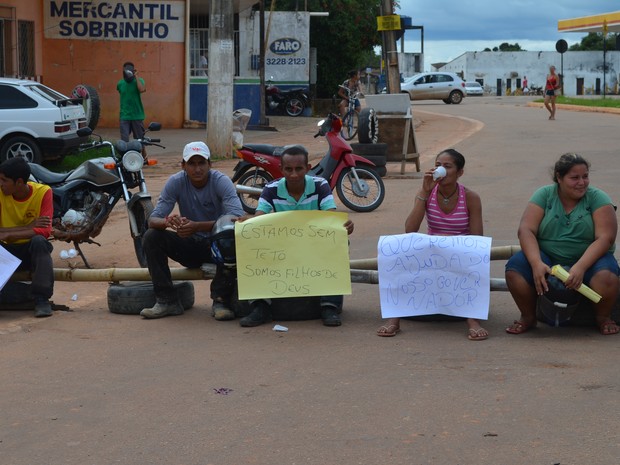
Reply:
x=25, y=48
x=17, y=57
x=199, y=45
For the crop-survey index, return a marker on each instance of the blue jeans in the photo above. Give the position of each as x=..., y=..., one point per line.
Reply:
x=519, y=264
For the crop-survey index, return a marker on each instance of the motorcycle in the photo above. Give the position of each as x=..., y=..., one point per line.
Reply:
x=535, y=90
x=85, y=197
x=292, y=102
x=357, y=184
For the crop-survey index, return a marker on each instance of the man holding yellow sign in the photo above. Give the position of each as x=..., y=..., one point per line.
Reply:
x=294, y=192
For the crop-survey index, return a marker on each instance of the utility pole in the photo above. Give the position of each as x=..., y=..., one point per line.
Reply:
x=390, y=53
x=261, y=67
x=221, y=78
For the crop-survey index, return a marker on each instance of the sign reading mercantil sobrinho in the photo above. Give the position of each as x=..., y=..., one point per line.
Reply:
x=115, y=20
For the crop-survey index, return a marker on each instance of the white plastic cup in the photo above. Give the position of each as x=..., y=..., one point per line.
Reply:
x=440, y=172
x=64, y=254
x=72, y=253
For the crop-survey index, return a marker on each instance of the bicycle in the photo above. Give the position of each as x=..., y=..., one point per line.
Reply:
x=350, y=120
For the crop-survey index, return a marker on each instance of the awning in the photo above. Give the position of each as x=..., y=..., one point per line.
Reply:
x=594, y=23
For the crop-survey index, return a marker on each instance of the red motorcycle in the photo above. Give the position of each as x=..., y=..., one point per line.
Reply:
x=354, y=178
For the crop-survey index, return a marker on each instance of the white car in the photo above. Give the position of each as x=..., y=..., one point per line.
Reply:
x=447, y=87
x=37, y=122
x=474, y=88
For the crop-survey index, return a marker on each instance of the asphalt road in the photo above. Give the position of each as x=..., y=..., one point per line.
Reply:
x=91, y=387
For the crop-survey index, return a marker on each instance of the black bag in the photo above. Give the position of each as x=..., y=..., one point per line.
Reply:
x=558, y=305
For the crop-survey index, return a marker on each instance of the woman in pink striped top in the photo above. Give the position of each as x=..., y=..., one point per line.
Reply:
x=451, y=209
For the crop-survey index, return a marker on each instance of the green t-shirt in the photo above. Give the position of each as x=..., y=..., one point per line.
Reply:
x=565, y=237
x=131, y=101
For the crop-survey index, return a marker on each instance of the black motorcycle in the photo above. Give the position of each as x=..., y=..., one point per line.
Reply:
x=85, y=197
x=292, y=101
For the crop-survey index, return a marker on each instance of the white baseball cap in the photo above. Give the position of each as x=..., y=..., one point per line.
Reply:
x=196, y=148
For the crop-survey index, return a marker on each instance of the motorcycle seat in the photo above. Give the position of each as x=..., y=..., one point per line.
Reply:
x=267, y=149
x=124, y=147
x=46, y=176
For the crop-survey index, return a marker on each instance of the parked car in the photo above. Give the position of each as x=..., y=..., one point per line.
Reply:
x=38, y=123
x=474, y=88
x=435, y=86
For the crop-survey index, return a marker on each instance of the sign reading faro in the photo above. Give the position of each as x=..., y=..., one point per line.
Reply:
x=285, y=46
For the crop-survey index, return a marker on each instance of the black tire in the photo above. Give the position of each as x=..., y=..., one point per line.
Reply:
x=91, y=103
x=360, y=198
x=365, y=150
x=142, y=209
x=377, y=160
x=381, y=170
x=447, y=101
x=456, y=97
x=350, y=123
x=21, y=146
x=131, y=298
x=294, y=106
x=368, y=132
x=252, y=178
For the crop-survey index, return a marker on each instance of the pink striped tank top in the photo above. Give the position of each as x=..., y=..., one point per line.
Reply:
x=455, y=223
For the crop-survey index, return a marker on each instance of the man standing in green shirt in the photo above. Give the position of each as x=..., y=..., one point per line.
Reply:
x=131, y=109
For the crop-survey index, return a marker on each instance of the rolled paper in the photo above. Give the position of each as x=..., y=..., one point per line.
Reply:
x=560, y=273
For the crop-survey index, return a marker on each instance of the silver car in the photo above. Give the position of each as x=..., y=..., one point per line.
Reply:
x=447, y=87
x=474, y=88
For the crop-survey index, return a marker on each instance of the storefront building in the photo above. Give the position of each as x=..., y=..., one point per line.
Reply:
x=66, y=43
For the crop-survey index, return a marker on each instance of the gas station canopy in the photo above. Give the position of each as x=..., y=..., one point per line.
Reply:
x=605, y=22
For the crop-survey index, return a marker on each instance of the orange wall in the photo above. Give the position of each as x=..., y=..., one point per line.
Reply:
x=63, y=63
x=99, y=63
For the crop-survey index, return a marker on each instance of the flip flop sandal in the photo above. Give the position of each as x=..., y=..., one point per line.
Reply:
x=518, y=327
x=479, y=334
x=388, y=331
x=608, y=328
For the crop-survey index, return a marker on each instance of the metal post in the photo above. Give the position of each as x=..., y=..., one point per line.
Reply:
x=604, y=63
x=261, y=66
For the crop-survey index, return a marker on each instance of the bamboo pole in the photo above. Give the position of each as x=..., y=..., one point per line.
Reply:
x=503, y=252
x=207, y=271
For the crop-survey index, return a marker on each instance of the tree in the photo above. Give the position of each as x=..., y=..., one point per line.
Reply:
x=594, y=41
x=344, y=40
x=506, y=47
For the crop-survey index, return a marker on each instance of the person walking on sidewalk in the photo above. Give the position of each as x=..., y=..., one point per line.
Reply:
x=551, y=87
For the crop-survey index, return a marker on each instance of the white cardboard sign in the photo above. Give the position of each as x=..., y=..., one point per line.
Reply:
x=425, y=275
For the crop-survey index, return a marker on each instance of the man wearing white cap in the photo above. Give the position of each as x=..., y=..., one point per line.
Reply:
x=202, y=196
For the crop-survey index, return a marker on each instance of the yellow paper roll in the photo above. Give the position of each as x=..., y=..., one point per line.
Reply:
x=560, y=273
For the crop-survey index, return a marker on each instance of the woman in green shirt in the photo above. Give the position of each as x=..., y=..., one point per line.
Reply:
x=571, y=224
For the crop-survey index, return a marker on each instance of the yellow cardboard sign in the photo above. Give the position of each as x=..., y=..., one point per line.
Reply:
x=293, y=254
x=388, y=23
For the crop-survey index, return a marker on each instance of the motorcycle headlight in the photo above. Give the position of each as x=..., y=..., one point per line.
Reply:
x=133, y=161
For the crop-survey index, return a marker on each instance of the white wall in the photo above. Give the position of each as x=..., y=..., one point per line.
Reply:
x=490, y=66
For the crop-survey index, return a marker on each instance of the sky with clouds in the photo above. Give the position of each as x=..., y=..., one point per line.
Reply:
x=453, y=27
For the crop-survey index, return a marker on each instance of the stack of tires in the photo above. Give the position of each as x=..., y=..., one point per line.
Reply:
x=368, y=135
